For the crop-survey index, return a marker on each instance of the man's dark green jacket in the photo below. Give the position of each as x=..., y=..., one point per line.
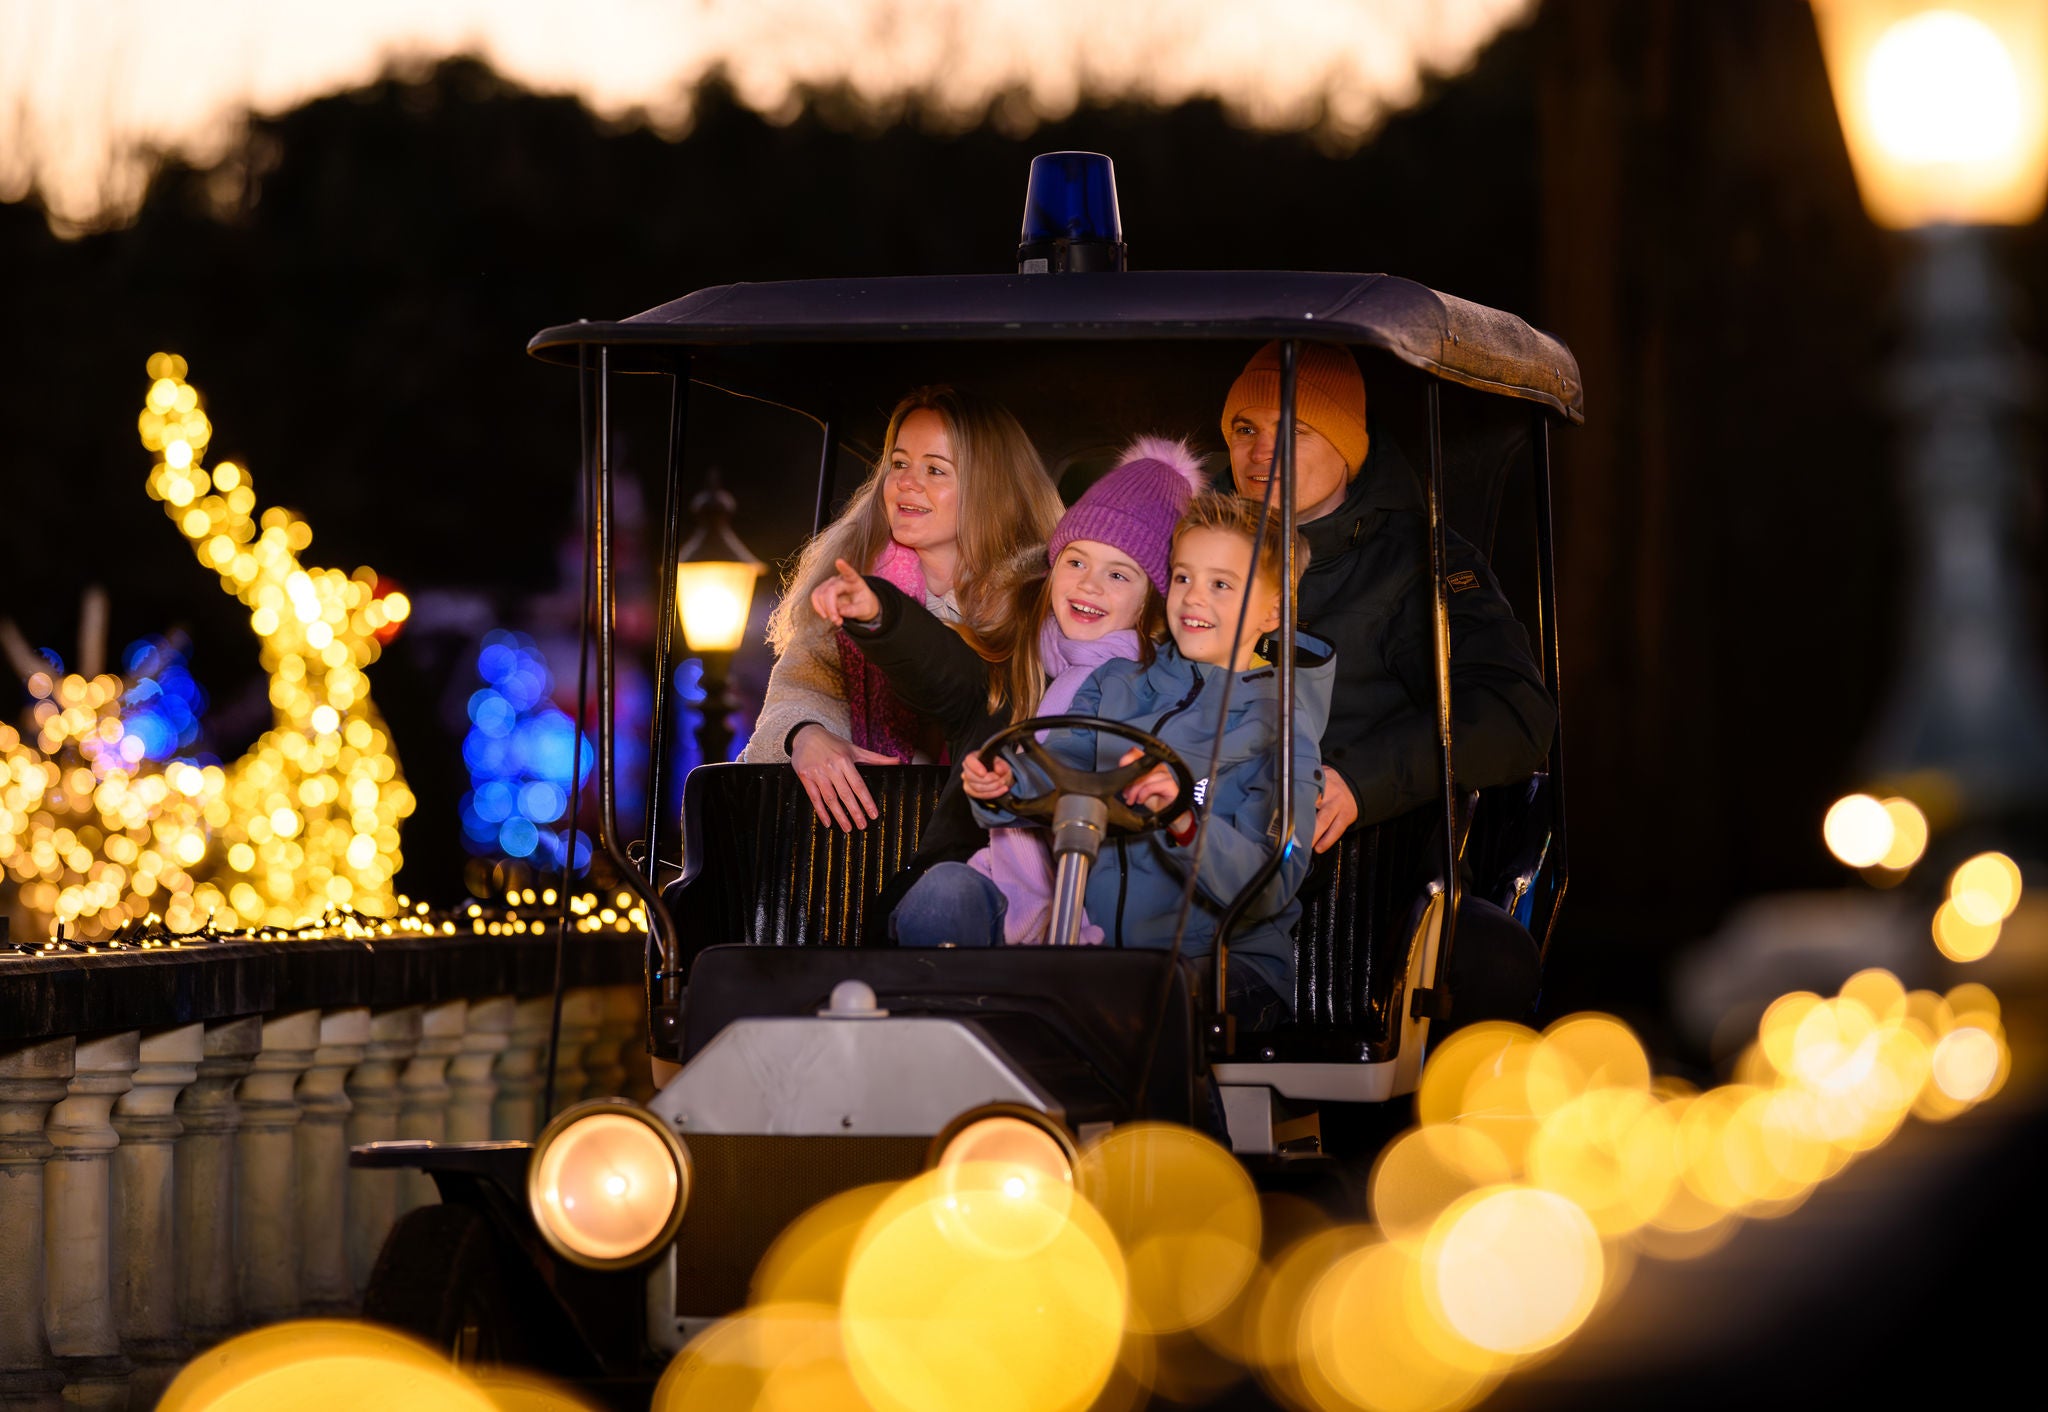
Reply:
x=1367, y=593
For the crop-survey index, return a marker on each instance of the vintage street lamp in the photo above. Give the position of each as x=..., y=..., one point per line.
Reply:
x=1945, y=108
x=715, y=577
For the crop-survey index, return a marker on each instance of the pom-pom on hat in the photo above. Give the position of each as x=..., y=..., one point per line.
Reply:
x=1135, y=507
x=1329, y=394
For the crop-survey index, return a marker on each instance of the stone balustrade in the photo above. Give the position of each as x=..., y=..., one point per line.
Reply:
x=175, y=1125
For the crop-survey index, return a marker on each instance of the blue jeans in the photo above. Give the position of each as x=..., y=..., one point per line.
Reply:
x=951, y=904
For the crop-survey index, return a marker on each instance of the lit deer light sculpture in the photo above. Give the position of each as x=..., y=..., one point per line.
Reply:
x=97, y=836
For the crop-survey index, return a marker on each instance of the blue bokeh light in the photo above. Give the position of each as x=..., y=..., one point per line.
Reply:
x=519, y=750
x=163, y=704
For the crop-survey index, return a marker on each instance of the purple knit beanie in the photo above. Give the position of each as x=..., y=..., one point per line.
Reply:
x=1135, y=507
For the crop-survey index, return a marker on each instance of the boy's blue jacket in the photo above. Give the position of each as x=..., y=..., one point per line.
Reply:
x=1135, y=888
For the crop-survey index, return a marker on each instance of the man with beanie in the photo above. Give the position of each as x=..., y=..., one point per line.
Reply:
x=1367, y=593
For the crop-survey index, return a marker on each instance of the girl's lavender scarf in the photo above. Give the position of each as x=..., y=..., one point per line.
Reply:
x=876, y=718
x=1019, y=860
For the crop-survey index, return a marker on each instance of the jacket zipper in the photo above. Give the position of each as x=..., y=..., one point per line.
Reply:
x=1123, y=865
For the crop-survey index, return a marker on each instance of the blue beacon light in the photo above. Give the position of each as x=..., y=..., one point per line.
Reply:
x=1071, y=224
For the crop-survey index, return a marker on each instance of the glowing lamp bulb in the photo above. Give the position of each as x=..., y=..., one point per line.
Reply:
x=1942, y=105
x=713, y=599
x=714, y=577
x=606, y=1187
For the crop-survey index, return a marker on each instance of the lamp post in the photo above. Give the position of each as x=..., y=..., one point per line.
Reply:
x=1945, y=109
x=715, y=577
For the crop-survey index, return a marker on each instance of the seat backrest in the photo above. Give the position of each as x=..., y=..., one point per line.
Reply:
x=1360, y=903
x=759, y=868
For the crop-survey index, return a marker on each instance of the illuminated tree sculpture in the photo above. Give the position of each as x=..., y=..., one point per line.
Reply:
x=96, y=834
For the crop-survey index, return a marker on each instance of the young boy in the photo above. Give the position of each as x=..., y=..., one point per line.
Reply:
x=1134, y=891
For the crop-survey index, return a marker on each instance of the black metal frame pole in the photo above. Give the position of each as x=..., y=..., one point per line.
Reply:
x=1435, y=1000
x=667, y=979
x=828, y=462
x=1283, y=666
x=665, y=624
x=1553, y=665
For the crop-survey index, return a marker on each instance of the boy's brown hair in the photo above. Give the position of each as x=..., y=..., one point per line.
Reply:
x=1233, y=514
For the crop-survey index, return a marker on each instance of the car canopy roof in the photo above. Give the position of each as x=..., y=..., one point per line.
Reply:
x=1438, y=334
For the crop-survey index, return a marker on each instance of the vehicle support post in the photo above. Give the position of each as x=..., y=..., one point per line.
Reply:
x=1553, y=666
x=665, y=624
x=1434, y=1001
x=660, y=928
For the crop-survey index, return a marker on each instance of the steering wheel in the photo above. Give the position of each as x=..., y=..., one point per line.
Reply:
x=1021, y=743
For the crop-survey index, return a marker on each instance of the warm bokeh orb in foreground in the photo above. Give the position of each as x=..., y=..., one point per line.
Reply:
x=1185, y=1214
x=961, y=1295
x=1513, y=1270
x=316, y=1365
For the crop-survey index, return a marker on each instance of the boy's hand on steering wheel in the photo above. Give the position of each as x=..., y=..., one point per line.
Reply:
x=984, y=783
x=1156, y=789
x=845, y=597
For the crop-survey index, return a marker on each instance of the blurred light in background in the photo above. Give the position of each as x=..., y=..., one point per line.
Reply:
x=91, y=89
x=1859, y=831
x=102, y=828
x=1945, y=106
x=523, y=756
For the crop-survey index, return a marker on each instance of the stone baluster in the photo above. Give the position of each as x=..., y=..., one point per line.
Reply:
x=32, y=1080
x=322, y=1151
x=373, y=1117
x=145, y=1208
x=582, y=1018
x=266, y=1169
x=472, y=1082
x=204, y=1179
x=424, y=1093
x=515, y=1116
x=604, y=1066
x=78, y=1291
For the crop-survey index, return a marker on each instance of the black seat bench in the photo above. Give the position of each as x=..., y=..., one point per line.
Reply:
x=760, y=870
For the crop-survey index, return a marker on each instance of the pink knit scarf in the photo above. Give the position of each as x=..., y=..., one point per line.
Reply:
x=1019, y=860
x=877, y=719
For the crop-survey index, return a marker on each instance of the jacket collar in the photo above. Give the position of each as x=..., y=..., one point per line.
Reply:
x=1386, y=482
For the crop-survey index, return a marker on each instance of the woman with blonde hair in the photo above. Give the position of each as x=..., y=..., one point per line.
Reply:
x=958, y=491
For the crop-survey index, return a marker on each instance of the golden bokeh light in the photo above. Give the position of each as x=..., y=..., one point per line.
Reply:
x=1424, y=1171
x=1909, y=835
x=1185, y=1214
x=300, y=1366
x=516, y=1390
x=1967, y=1062
x=1985, y=890
x=1858, y=830
x=1961, y=939
x=1369, y=1339
x=1513, y=1269
x=98, y=838
x=959, y=1295
x=1613, y=1152
x=783, y=1357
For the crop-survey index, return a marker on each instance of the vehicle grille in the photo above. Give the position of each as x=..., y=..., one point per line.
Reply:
x=746, y=1188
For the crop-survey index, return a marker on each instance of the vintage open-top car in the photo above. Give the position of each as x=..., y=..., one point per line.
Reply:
x=812, y=1059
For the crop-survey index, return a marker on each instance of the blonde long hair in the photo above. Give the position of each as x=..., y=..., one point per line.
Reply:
x=1007, y=504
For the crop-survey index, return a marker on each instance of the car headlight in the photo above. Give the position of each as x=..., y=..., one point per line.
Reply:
x=607, y=1184
x=1024, y=1148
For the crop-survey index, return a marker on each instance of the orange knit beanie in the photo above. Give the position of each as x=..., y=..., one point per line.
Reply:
x=1329, y=394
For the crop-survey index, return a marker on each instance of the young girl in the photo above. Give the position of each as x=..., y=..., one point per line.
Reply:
x=1218, y=608
x=958, y=492
x=1098, y=596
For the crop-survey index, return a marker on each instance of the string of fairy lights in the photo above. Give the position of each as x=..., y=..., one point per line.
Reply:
x=98, y=836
